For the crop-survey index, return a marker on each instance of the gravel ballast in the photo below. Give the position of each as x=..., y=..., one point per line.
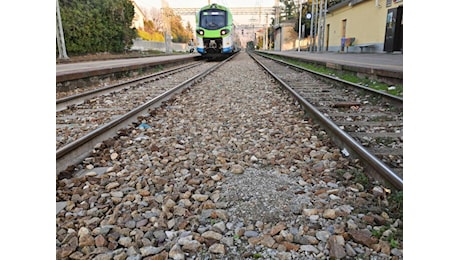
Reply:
x=229, y=169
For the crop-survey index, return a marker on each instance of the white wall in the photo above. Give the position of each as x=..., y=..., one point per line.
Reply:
x=142, y=45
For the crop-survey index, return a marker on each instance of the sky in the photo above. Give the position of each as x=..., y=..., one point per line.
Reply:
x=238, y=19
x=201, y=3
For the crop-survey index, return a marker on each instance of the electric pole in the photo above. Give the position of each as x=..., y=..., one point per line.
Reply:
x=300, y=22
x=166, y=14
x=312, y=26
x=60, y=34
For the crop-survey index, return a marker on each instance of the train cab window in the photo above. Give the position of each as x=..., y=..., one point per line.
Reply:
x=213, y=19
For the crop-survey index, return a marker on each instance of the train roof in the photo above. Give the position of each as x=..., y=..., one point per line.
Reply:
x=215, y=6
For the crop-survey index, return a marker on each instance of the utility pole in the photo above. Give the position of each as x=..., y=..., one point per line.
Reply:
x=266, y=44
x=277, y=12
x=300, y=22
x=60, y=34
x=320, y=25
x=312, y=26
x=324, y=25
x=165, y=16
x=255, y=35
x=277, y=24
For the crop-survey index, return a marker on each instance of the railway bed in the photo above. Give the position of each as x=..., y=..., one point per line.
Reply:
x=84, y=113
x=364, y=121
x=228, y=169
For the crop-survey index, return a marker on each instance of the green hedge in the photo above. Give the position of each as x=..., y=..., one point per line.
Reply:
x=94, y=26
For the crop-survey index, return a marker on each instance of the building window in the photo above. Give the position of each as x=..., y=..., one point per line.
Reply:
x=388, y=3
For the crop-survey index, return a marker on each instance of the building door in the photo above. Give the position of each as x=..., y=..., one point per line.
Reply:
x=327, y=37
x=344, y=31
x=393, y=30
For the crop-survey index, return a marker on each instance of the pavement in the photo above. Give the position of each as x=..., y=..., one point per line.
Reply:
x=381, y=61
x=69, y=71
x=388, y=64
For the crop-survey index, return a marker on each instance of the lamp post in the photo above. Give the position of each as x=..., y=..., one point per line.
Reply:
x=308, y=16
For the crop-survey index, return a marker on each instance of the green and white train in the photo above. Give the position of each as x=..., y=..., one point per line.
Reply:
x=215, y=32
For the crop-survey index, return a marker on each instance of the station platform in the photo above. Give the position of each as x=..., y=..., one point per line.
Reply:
x=385, y=67
x=381, y=61
x=71, y=71
x=380, y=64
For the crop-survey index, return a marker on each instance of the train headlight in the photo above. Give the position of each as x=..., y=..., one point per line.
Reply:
x=224, y=32
x=200, y=32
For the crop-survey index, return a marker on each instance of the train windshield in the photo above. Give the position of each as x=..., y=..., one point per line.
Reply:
x=213, y=19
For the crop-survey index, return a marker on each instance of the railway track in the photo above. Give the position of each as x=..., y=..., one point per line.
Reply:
x=85, y=118
x=77, y=115
x=229, y=169
x=366, y=122
x=80, y=75
x=65, y=99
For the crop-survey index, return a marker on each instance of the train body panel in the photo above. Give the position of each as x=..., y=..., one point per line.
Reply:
x=215, y=31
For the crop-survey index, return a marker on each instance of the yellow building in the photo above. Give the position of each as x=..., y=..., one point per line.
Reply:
x=375, y=25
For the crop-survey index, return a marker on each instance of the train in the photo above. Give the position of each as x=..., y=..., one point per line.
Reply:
x=215, y=32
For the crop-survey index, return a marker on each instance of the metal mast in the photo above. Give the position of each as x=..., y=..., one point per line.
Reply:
x=322, y=24
x=300, y=22
x=166, y=14
x=312, y=26
x=60, y=34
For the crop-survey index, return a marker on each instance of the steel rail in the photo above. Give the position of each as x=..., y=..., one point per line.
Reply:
x=387, y=95
x=77, y=150
x=343, y=138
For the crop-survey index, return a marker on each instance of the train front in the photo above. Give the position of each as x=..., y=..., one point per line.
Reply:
x=214, y=31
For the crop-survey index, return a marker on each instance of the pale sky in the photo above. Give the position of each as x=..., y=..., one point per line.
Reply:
x=237, y=19
x=201, y=3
